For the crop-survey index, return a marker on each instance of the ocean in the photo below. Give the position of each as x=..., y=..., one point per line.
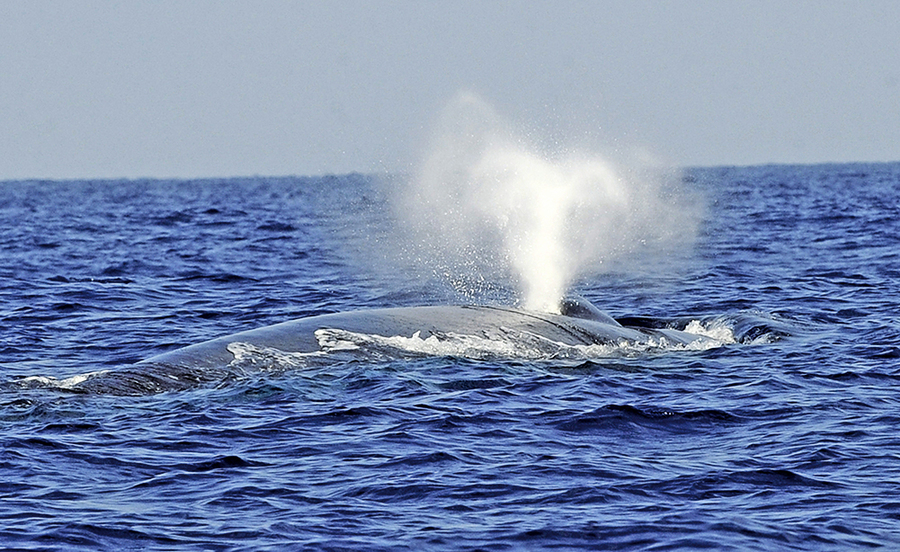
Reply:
x=783, y=436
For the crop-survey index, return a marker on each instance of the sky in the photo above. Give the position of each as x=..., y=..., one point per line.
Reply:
x=131, y=89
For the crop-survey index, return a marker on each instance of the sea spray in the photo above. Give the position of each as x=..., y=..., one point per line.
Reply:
x=488, y=206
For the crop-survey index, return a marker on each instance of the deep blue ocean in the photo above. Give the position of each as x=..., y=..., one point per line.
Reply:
x=785, y=439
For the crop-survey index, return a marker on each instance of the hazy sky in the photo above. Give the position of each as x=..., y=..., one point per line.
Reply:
x=217, y=88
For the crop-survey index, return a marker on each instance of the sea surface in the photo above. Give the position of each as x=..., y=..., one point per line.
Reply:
x=786, y=436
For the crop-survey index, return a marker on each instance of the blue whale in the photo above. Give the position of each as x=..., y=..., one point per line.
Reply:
x=580, y=330
x=579, y=323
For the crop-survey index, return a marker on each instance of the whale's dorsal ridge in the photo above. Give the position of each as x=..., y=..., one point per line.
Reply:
x=576, y=306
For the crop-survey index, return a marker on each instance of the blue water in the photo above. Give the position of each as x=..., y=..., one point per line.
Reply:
x=784, y=440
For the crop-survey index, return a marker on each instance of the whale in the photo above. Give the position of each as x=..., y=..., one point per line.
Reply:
x=578, y=323
x=475, y=331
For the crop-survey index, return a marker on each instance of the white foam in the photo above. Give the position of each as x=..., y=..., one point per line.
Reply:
x=505, y=343
x=717, y=330
x=65, y=383
x=247, y=355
